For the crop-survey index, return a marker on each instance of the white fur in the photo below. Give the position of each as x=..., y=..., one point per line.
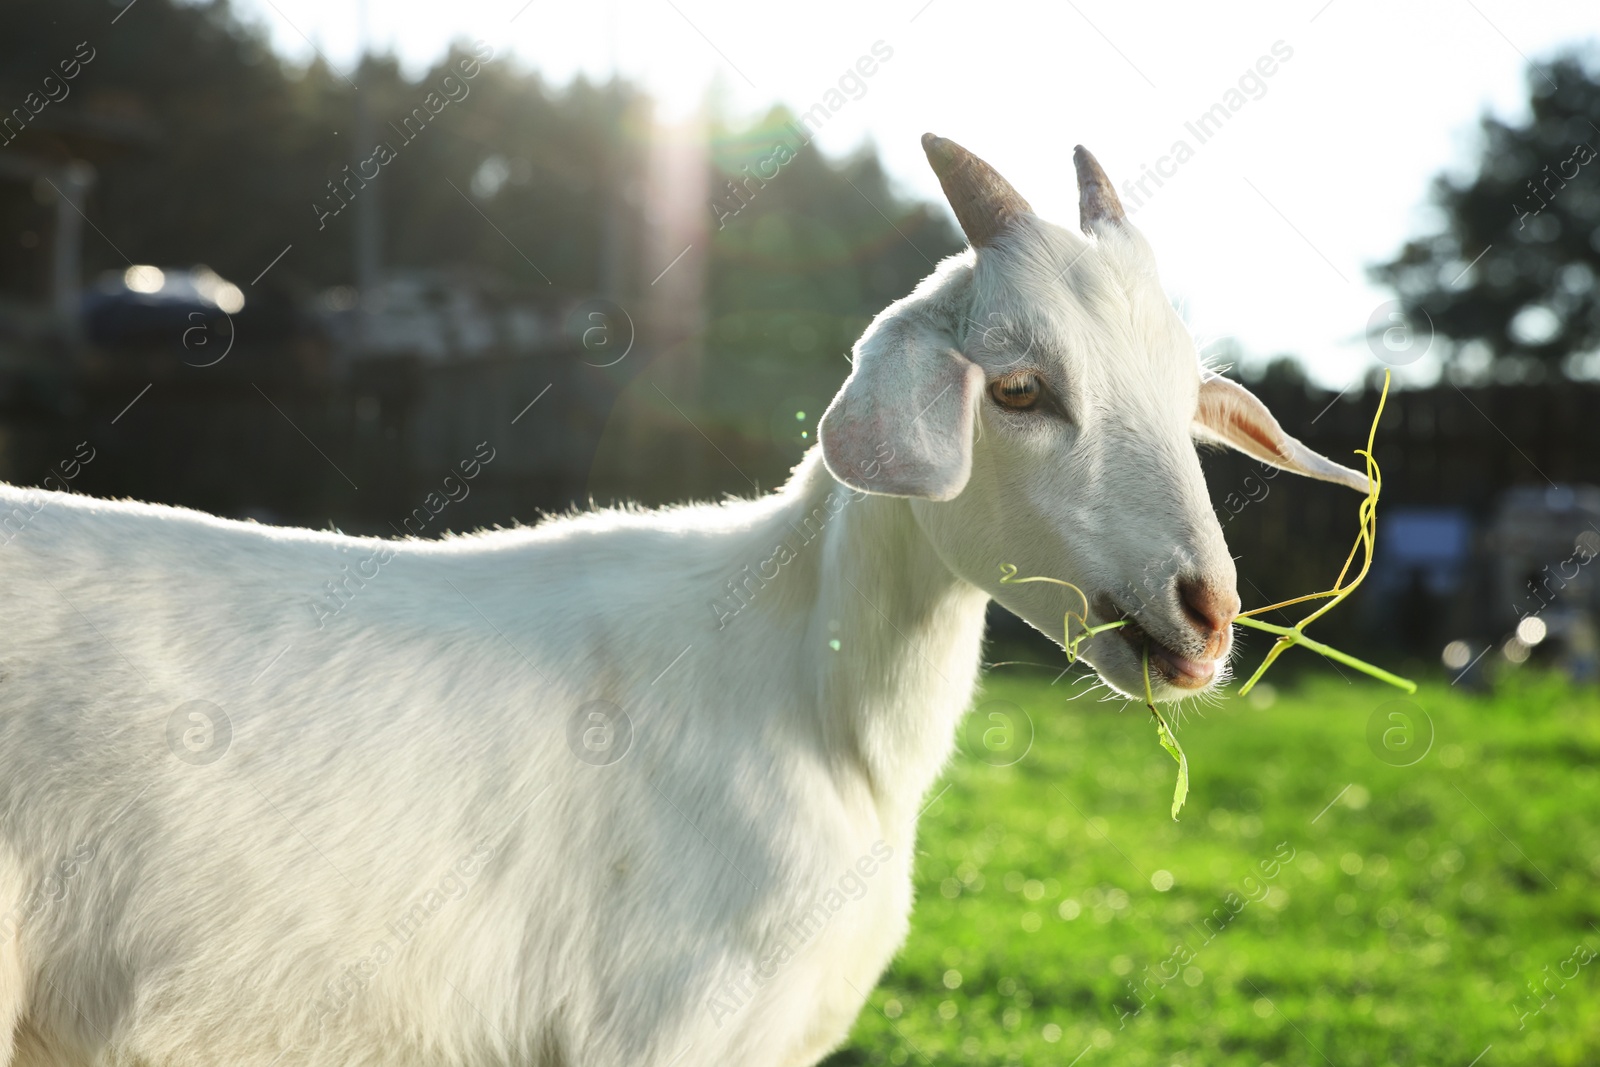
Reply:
x=419, y=742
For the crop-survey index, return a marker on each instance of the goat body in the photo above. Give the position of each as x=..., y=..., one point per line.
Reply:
x=624, y=788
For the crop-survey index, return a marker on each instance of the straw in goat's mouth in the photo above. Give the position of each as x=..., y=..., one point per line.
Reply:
x=1169, y=741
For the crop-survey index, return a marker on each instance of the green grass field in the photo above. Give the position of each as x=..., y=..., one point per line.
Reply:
x=1379, y=914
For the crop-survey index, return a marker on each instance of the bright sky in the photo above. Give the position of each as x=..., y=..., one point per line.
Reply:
x=1263, y=235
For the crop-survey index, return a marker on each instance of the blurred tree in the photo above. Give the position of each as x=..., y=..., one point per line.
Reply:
x=232, y=156
x=510, y=175
x=805, y=251
x=1528, y=224
x=242, y=146
x=225, y=127
x=1280, y=372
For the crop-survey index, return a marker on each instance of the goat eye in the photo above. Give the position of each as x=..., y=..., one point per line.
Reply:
x=1018, y=391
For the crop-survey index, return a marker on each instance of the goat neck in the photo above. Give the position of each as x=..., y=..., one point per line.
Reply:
x=895, y=638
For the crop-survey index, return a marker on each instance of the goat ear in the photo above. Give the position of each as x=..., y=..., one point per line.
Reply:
x=902, y=425
x=1232, y=414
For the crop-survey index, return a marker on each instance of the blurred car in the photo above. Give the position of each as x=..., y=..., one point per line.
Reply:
x=154, y=305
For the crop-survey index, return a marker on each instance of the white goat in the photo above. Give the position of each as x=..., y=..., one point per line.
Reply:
x=621, y=790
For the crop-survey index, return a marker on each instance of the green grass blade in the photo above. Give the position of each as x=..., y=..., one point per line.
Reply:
x=1180, y=792
x=1288, y=636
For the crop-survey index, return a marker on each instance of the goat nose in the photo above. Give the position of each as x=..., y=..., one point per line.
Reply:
x=1210, y=607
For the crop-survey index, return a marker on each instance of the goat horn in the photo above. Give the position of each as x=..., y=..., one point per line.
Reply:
x=983, y=201
x=1097, y=199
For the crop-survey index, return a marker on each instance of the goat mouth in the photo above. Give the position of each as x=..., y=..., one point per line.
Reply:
x=1173, y=667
